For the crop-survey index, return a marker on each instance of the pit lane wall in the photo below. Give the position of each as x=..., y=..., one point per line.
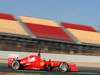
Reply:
x=79, y=60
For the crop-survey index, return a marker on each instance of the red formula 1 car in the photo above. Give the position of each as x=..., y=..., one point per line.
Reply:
x=35, y=62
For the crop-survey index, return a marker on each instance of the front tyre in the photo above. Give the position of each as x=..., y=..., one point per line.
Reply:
x=15, y=65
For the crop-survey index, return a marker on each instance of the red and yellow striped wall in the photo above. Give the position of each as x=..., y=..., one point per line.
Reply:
x=7, y=16
x=78, y=27
x=86, y=36
x=9, y=24
x=48, y=29
x=83, y=33
x=38, y=21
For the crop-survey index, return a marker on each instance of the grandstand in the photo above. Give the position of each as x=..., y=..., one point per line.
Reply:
x=24, y=33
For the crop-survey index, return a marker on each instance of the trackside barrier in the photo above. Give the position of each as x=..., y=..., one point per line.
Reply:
x=80, y=60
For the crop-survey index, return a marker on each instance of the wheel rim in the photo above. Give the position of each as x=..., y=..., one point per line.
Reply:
x=15, y=65
x=64, y=67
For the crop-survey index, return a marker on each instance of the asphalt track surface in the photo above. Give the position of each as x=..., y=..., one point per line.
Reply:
x=4, y=70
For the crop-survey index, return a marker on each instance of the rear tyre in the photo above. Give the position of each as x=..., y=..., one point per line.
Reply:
x=16, y=65
x=64, y=67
